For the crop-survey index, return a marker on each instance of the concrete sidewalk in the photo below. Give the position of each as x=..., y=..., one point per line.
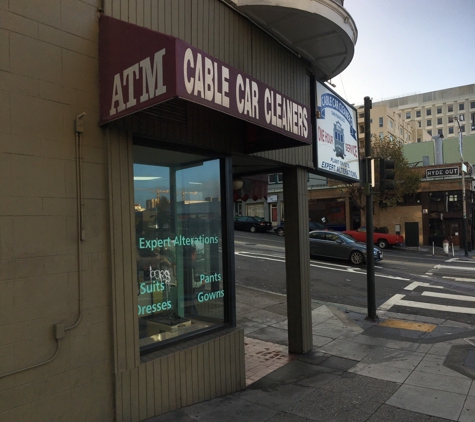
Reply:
x=403, y=368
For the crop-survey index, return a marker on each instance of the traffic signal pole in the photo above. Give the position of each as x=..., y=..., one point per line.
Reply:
x=370, y=284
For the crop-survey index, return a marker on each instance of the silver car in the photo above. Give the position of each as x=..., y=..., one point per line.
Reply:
x=341, y=246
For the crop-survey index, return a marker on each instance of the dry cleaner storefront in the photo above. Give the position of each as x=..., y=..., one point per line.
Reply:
x=179, y=123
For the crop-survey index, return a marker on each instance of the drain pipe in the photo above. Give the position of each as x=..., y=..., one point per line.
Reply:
x=60, y=329
x=81, y=233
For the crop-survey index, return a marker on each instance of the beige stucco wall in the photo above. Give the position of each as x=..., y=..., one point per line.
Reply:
x=48, y=75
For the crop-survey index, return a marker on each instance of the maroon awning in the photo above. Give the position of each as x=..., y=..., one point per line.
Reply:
x=139, y=68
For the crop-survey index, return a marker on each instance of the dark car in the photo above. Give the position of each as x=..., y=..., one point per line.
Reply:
x=341, y=246
x=312, y=225
x=253, y=224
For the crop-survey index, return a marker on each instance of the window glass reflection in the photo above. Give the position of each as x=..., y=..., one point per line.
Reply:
x=178, y=244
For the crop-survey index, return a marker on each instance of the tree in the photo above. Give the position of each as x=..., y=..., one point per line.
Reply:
x=407, y=181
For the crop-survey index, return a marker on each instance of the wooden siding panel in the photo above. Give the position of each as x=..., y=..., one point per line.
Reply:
x=134, y=394
x=158, y=386
x=150, y=388
x=139, y=20
x=142, y=392
x=119, y=397
x=128, y=258
x=175, y=384
x=163, y=384
x=180, y=379
x=200, y=365
x=126, y=396
x=117, y=275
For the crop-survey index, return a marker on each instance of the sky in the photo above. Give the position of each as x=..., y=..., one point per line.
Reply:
x=408, y=46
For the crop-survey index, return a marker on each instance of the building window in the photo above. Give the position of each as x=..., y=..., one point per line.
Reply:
x=450, y=119
x=380, y=122
x=361, y=116
x=419, y=124
x=391, y=124
x=454, y=202
x=428, y=112
x=428, y=122
x=429, y=132
x=418, y=113
x=361, y=129
x=408, y=115
x=451, y=130
x=439, y=110
x=462, y=128
x=439, y=120
x=461, y=106
x=472, y=104
x=179, y=261
x=381, y=134
x=450, y=108
x=439, y=131
x=275, y=178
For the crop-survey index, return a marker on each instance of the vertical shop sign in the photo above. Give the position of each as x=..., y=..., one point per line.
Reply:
x=337, y=153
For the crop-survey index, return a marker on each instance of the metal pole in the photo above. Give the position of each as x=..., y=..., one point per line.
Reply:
x=371, y=291
x=464, y=204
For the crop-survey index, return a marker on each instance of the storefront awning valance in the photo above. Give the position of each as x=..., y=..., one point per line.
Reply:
x=139, y=68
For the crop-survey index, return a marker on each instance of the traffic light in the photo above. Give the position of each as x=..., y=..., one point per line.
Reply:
x=386, y=175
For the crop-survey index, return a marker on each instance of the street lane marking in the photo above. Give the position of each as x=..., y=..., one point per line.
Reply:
x=449, y=296
x=415, y=284
x=409, y=325
x=468, y=280
x=452, y=267
x=458, y=260
x=391, y=302
x=336, y=267
x=433, y=307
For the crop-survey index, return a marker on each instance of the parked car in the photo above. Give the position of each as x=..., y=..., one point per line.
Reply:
x=253, y=224
x=338, y=245
x=381, y=239
x=312, y=225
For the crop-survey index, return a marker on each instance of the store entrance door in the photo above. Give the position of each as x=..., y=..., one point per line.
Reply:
x=453, y=231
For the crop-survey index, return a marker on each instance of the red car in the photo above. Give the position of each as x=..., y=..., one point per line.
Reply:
x=383, y=240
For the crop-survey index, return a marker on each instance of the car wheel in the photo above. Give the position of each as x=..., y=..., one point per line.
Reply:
x=356, y=258
x=382, y=243
x=253, y=229
x=280, y=231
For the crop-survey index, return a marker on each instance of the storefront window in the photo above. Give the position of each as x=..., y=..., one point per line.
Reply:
x=178, y=238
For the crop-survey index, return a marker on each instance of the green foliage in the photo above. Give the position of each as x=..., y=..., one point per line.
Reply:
x=407, y=181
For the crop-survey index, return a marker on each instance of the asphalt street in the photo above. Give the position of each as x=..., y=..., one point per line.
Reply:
x=420, y=281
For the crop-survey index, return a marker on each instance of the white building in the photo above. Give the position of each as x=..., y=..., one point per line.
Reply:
x=433, y=112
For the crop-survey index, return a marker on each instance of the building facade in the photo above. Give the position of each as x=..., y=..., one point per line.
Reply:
x=433, y=112
x=123, y=126
x=389, y=122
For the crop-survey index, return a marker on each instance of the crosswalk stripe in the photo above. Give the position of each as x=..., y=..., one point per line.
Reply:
x=415, y=284
x=391, y=302
x=453, y=267
x=449, y=296
x=433, y=307
x=468, y=280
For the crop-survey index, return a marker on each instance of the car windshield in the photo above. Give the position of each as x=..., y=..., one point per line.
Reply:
x=348, y=238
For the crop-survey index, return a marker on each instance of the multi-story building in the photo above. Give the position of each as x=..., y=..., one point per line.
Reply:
x=386, y=121
x=433, y=112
